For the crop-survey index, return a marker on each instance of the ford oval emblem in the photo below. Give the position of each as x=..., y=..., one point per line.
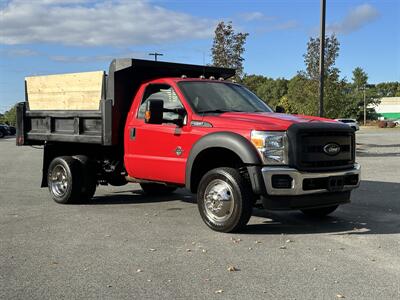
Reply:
x=332, y=149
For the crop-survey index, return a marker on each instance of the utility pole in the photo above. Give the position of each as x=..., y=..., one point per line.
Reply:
x=155, y=54
x=365, y=108
x=322, y=59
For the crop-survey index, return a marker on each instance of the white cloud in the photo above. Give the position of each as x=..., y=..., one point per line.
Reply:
x=19, y=52
x=85, y=23
x=286, y=25
x=255, y=16
x=96, y=58
x=355, y=19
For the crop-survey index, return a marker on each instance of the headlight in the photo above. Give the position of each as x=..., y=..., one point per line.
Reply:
x=272, y=145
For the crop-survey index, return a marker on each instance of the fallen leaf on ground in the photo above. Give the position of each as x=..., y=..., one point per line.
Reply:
x=152, y=249
x=139, y=270
x=282, y=247
x=340, y=296
x=232, y=269
x=219, y=291
x=289, y=241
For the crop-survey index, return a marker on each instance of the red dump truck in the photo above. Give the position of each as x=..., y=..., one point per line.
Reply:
x=168, y=126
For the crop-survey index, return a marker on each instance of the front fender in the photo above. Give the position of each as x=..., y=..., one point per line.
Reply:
x=228, y=140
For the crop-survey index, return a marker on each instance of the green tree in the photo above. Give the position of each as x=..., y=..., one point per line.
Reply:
x=388, y=89
x=303, y=89
x=360, y=78
x=228, y=48
x=311, y=57
x=10, y=116
x=268, y=89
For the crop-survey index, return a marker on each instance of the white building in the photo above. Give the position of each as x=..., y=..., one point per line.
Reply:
x=389, y=108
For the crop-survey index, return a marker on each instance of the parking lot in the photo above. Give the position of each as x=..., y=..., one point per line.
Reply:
x=124, y=244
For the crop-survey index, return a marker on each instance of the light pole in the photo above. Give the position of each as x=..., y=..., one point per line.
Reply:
x=321, y=58
x=155, y=54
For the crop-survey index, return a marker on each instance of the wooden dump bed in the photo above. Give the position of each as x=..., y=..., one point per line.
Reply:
x=91, y=107
x=75, y=91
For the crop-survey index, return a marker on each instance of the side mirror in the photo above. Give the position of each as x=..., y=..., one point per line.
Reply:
x=280, y=109
x=154, y=111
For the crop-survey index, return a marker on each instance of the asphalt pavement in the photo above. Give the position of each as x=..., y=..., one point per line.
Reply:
x=125, y=245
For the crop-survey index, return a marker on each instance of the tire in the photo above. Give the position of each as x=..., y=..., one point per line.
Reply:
x=65, y=179
x=89, y=180
x=229, y=184
x=1, y=134
x=319, y=212
x=157, y=189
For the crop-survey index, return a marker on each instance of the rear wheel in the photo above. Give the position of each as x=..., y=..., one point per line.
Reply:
x=65, y=179
x=319, y=212
x=224, y=200
x=1, y=134
x=157, y=189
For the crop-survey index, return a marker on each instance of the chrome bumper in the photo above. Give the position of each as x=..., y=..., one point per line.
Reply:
x=298, y=177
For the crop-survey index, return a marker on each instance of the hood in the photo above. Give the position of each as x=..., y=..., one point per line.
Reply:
x=260, y=120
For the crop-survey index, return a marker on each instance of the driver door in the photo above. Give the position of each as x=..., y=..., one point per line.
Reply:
x=157, y=151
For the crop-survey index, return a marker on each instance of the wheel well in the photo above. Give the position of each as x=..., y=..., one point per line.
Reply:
x=212, y=158
x=97, y=153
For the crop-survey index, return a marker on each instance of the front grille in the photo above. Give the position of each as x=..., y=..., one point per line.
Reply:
x=309, y=141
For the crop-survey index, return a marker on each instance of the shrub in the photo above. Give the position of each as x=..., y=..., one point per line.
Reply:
x=382, y=124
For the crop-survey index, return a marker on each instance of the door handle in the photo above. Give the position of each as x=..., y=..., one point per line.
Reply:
x=132, y=133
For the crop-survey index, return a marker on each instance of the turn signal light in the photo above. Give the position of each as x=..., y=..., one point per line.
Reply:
x=147, y=115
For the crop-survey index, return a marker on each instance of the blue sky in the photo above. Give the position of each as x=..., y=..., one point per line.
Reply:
x=56, y=36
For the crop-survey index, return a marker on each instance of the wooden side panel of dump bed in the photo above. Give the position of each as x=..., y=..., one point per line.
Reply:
x=74, y=91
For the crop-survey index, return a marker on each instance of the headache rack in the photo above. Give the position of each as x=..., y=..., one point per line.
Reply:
x=91, y=107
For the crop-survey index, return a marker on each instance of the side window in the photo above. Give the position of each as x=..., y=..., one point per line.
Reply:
x=162, y=92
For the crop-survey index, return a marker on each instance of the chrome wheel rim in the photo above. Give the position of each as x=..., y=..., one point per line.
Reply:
x=218, y=201
x=58, y=181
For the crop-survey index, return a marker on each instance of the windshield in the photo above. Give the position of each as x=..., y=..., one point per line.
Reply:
x=219, y=97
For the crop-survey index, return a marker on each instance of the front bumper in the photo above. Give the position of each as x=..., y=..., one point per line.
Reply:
x=306, y=183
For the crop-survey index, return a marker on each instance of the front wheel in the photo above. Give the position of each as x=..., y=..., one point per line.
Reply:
x=319, y=212
x=224, y=200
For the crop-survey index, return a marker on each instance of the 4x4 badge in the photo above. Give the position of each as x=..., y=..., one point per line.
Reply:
x=332, y=149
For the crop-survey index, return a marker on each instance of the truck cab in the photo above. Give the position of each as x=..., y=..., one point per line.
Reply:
x=198, y=130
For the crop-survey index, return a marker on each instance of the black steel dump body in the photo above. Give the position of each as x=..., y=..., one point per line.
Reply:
x=105, y=125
